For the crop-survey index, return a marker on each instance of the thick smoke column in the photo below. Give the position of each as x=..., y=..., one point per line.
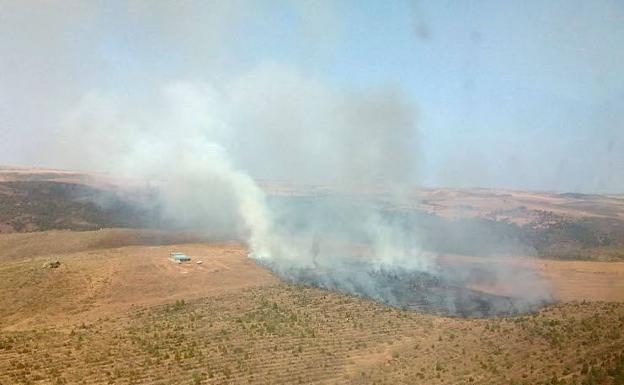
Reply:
x=202, y=146
x=177, y=145
x=352, y=237
x=202, y=143
x=308, y=133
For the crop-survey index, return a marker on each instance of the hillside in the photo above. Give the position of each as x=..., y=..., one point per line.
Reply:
x=473, y=222
x=39, y=199
x=117, y=310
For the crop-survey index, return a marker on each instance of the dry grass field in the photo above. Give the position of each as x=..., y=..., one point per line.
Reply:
x=117, y=311
x=106, y=272
x=567, y=280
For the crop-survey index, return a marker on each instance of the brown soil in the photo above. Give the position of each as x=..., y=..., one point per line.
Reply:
x=520, y=207
x=585, y=280
x=280, y=334
x=119, y=312
x=566, y=280
x=99, y=276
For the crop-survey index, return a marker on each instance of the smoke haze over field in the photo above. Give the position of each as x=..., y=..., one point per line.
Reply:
x=205, y=97
x=352, y=141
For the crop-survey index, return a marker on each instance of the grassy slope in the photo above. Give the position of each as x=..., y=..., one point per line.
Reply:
x=289, y=335
x=263, y=332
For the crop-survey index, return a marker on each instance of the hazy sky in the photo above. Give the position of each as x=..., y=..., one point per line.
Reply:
x=518, y=94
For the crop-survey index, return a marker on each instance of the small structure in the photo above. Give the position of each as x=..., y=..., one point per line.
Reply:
x=52, y=264
x=179, y=257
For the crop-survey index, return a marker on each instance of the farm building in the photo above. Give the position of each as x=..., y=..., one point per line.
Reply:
x=177, y=256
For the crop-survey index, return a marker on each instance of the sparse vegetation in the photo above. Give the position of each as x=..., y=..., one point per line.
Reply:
x=114, y=314
x=563, y=226
x=35, y=205
x=293, y=334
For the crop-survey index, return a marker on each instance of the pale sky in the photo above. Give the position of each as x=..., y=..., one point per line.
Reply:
x=516, y=94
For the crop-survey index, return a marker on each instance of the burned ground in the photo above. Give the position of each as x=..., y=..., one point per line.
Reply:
x=444, y=291
x=119, y=312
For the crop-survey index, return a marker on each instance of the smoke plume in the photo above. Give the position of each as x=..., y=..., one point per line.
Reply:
x=203, y=146
x=223, y=107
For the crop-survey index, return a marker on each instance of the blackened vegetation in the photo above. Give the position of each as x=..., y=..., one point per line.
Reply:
x=44, y=205
x=442, y=292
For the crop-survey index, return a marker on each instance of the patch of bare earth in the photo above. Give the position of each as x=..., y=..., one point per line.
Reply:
x=99, y=276
x=566, y=280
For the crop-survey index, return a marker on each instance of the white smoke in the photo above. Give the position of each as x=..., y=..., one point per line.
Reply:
x=177, y=145
x=202, y=146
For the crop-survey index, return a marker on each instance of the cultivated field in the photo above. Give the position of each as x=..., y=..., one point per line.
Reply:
x=119, y=312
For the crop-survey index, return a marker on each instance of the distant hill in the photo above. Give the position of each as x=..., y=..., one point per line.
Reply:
x=459, y=221
x=39, y=199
